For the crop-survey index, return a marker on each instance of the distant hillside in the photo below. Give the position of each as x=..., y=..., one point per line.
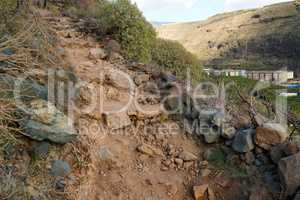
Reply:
x=265, y=38
x=158, y=24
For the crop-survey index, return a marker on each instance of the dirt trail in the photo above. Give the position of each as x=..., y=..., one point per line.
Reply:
x=118, y=170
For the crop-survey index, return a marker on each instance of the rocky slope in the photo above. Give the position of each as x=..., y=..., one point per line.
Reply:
x=268, y=37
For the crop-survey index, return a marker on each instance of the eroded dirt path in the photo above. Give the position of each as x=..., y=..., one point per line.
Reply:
x=118, y=170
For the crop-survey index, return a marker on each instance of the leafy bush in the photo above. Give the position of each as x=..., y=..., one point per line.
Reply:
x=124, y=22
x=173, y=56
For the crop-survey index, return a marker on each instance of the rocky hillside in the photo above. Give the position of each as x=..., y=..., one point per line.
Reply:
x=268, y=37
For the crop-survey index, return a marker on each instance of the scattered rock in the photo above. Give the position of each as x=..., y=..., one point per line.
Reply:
x=205, y=173
x=249, y=158
x=187, y=156
x=291, y=148
x=48, y=123
x=270, y=134
x=169, y=77
x=178, y=161
x=211, y=136
x=112, y=46
x=60, y=185
x=41, y=149
x=243, y=141
x=228, y=133
x=142, y=78
x=289, y=171
x=8, y=51
x=97, y=53
x=208, y=153
x=203, y=164
x=112, y=93
x=188, y=165
x=277, y=153
x=119, y=80
x=211, y=194
x=115, y=121
x=60, y=168
x=149, y=150
x=263, y=194
x=171, y=189
x=199, y=191
x=105, y=154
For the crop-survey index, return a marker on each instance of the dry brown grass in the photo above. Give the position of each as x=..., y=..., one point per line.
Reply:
x=32, y=45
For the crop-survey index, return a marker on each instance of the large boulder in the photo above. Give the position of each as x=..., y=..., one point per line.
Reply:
x=289, y=171
x=270, y=134
x=48, y=123
x=243, y=141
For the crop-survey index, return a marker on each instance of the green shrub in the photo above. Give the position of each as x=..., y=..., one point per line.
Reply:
x=124, y=22
x=174, y=57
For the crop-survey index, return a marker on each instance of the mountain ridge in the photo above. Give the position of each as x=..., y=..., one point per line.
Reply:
x=263, y=38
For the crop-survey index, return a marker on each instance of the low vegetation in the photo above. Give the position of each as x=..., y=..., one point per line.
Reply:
x=173, y=56
x=218, y=158
x=122, y=20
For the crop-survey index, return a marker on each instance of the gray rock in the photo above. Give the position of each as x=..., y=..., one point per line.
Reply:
x=8, y=52
x=289, y=171
x=28, y=89
x=60, y=168
x=60, y=185
x=42, y=149
x=277, y=153
x=48, y=123
x=243, y=141
x=97, y=53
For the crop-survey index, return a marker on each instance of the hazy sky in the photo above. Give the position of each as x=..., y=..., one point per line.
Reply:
x=191, y=10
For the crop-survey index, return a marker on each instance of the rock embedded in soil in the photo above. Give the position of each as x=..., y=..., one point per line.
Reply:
x=205, y=173
x=119, y=80
x=277, y=153
x=243, y=141
x=60, y=168
x=105, y=154
x=97, y=53
x=270, y=134
x=41, y=149
x=289, y=171
x=228, y=133
x=200, y=191
x=142, y=78
x=212, y=136
x=187, y=156
x=149, y=150
x=48, y=123
x=115, y=121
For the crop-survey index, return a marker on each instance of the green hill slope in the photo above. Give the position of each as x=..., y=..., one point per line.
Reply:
x=264, y=38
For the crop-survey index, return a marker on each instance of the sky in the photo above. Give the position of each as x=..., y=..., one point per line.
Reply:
x=194, y=10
